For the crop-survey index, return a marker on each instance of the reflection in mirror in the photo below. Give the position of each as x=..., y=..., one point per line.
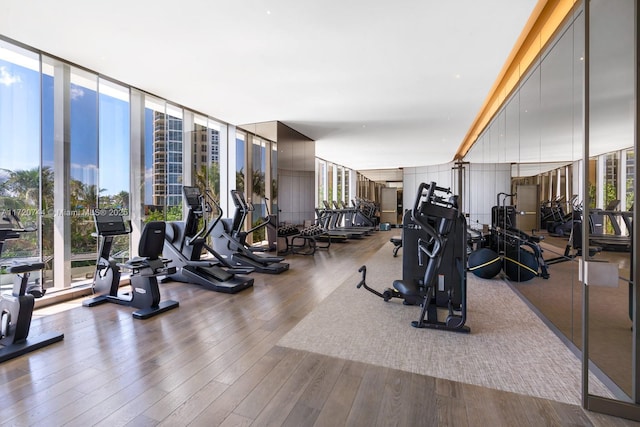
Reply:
x=541, y=126
x=611, y=115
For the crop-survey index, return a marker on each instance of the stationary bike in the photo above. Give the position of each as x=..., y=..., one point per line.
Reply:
x=16, y=309
x=145, y=293
x=106, y=280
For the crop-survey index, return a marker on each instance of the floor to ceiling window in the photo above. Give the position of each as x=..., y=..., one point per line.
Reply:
x=163, y=160
x=240, y=162
x=20, y=146
x=83, y=171
x=258, y=187
x=174, y=135
x=321, y=179
x=205, y=164
x=72, y=141
x=113, y=157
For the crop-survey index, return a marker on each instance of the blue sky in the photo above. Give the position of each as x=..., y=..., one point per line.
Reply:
x=20, y=131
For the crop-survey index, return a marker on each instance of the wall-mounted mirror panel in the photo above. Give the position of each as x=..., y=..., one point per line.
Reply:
x=538, y=134
x=611, y=115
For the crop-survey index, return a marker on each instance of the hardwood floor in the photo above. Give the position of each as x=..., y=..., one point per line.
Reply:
x=214, y=361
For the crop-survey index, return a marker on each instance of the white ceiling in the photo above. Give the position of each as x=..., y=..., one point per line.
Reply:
x=377, y=84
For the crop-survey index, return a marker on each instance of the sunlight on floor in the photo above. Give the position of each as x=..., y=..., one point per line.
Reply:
x=57, y=308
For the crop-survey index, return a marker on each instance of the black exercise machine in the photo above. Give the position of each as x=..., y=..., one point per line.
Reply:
x=144, y=293
x=366, y=213
x=552, y=213
x=433, y=261
x=335, y=221
x=185, y=243
x=619, y=240
x=397, y=244
x=106, y=279
x=521, y=252
x=344, y=218
x=574, y=245
x=235, y=251
x=16, y=308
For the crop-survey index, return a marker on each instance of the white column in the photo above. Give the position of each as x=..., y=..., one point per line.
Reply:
x=61, y=175
x=137, y=179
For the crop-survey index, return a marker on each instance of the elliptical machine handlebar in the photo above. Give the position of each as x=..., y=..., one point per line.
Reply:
x=205, y=201
x=246, y=207
x=434, y=236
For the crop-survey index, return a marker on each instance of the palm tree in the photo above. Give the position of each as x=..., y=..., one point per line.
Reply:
x=258, y=183
x=47, y=188
x=24, y=185
x=122, y=199
x=240, y=181
x=214, y=180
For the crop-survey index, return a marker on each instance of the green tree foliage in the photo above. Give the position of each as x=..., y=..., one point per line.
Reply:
x=258, y=183
x=240, y=181
x=20, y=191
x=214, y=180
x=259, y=234
x=83, y=200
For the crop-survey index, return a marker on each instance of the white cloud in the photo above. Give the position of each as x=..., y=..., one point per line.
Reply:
x=6, y=78
x=76, y=92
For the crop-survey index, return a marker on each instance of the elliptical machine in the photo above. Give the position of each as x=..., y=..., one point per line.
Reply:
x=145, y=293
x=184, y=243
x=236, y=251
x=16, y=309
x=434, y=229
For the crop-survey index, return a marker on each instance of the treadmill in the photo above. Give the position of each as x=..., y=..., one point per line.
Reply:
x=616, y=241
x=332, y=220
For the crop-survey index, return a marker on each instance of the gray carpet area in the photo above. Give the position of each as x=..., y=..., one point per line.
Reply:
x=509, y=347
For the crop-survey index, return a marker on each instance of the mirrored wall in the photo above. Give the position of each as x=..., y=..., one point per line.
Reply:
x=539, y=134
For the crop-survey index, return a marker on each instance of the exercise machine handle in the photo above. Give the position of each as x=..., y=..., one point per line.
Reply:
x=363, y=282
x=362, y=270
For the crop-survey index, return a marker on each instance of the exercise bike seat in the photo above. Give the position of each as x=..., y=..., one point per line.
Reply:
x=149, y=249
x=156, y=266
x=407, y=289
x=34, y=289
